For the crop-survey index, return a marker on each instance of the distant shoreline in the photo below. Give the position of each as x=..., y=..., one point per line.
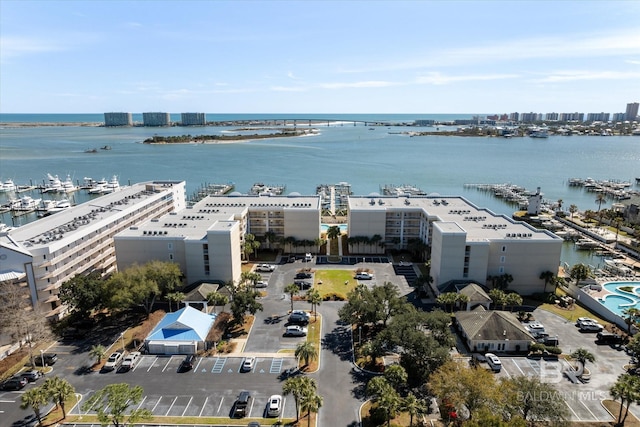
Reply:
x=224, y=139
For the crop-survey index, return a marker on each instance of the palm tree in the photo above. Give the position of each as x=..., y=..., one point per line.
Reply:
x=269, y=236
x=293, y=290
x=512, y=299
x=413, y=406
x=310, y=402
x=583, y=356
x=306, y=351
x=631, y=316
x=600, y=199
x=627, y=389
x=315, y=299
x=573, y=209
x=333, y=232
x=216, y=298
x=557, y=281
x=98, y=351
x=579, y=272
x=560, y=201
x=448, y=299
x=59, y=390
x=35, y=398
x=318, y=242
x=175, y=297
x=547, y=276
x=298, y=387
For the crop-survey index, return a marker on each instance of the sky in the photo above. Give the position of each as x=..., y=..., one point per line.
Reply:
x=319, y=56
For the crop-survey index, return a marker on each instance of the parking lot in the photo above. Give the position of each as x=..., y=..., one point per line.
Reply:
x=210, y=389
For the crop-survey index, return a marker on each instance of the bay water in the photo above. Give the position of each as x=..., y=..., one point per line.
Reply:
x=365, y=156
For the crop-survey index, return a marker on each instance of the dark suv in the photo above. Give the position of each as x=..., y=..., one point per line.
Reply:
x=303, y=275
x=241, y=405
x=605, y=337
x=298, y=319
x=187, y=363
x=46, y=359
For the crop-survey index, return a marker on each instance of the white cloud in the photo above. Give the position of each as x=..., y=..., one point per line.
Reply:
x=633, y=61
x=11, y=47
x=363, y=84
x=436, y=78
x=576, y=75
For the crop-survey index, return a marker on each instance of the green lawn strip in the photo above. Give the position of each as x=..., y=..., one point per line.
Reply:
x=333, y=282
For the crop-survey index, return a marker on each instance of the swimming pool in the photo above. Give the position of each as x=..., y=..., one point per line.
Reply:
x=618, y=300
x=325, y=227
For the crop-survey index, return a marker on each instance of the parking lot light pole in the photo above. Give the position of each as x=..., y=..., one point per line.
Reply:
x=42, y=357
x=122, y=339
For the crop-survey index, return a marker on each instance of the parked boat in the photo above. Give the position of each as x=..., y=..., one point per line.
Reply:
x=54, y=185
x=587, y=244
x=539, y=133
x=112, y=185
x=8, y=186
x=25, y=204
x=68, y=186
x=99, y=187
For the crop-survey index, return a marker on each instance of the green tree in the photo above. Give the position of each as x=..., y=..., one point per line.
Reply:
x=601, y=198
x=512, y=299
x=413, y=406
x=35, y=398
x=384, y=396
x=448, y=300
x=627, y=390
x=498, y=297
x=248, y=279
x=583, y=356
x=547, y=276
x=59, y=390
x=215, y=298
x=298, y=387
x=84, y=294
x=98, y=351
x=113, y=404
x=634, y=344
x=315, y=299
x=580, y=272
x=245, y=301
x=573, y=209
x=396, y=376
x=306, y=351
x=631, y=316
x=333, y=232
x=175, y=297
x=310, y=402
x=533, y=400
x=250, y=245
x=292, y=289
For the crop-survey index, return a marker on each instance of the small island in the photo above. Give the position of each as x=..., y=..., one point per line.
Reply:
x=204, y=139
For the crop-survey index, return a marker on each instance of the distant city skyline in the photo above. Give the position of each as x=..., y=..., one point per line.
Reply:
x=341, y=57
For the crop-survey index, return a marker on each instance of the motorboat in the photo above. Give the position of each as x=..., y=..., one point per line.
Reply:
x=8, y=186
x=587, y=244
x=25, y=204
x=617, y=267
x=54, y=185
x=68, y=186
x=112, y=185
x=99, y=187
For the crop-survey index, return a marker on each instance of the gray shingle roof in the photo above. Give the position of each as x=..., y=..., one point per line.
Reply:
x=492, y=326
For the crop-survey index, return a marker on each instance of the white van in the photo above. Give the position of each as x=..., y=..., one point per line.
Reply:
x=534, y=327
x=308, y=257
x=494, y=362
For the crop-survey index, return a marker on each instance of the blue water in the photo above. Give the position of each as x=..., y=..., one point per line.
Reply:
x=619, y=300
x=365, y=158
x=325, y=227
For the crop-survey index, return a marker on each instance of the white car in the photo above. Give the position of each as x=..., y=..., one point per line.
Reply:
x=581, y=320
x=590, y=327
x=113, y=361
x=130, y=361
x=248, y=364
x=363, y=275
x=275, y=405
x=295, y=331
x=265, y=268
x=494, y=362
x=261, y=284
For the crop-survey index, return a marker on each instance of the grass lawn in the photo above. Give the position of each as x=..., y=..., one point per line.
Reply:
x=333, y=282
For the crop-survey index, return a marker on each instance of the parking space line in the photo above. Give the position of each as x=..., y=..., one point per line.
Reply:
x=167, y=364
x=154, y=406
x=220, y=405
x=187, y=407
x=196, y=368
x=574, y=412
x=276, y=366
x=218, y=365
x=519, y=369
x=152, y=363
x=592, y=414
x=206, y=399
x=535, y=365
x=171, y=406
x=142, y=402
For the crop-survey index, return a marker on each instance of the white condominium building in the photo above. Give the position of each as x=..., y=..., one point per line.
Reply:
x=206, y=239
x=79, y=240
x=467, y=243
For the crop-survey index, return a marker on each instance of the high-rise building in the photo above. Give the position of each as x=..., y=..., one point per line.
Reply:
x=632, y=111
x=552, y=117
x=118, y=119
x=48, y=252
x=156, y=119
x=618, y=117
x=193, y=119
x=598, y=117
